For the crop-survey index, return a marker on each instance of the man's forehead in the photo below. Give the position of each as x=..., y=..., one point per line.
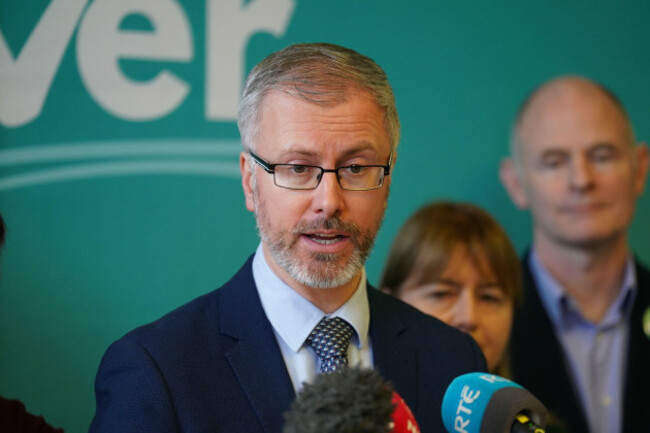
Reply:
x=571, y=114
x=304, y=127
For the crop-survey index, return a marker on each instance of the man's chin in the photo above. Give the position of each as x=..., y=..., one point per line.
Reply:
x=590, y=240
x=335, y=258
x=324, y=271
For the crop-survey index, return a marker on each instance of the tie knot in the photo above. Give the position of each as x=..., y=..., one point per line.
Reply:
x=330, y=340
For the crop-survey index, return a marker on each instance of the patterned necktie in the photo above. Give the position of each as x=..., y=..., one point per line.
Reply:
x=330, y=340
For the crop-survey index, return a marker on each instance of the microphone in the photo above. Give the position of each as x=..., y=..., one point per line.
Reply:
x=485, y=403
x=350, y=400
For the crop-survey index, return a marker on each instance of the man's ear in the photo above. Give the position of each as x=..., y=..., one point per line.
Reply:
x=247, y=180
x=642, y=160
x=512, y=183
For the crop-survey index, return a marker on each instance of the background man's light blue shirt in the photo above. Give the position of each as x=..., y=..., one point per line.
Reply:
x=294, y=317
x=595, y=353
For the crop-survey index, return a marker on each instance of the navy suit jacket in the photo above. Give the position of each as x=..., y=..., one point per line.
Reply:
x=538, y=363
x=214, y=365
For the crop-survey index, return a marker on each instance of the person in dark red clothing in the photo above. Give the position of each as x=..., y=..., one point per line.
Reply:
x=14, y=418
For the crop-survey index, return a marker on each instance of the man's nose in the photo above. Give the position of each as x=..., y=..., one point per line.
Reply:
x=581, y=176
x=328, y=196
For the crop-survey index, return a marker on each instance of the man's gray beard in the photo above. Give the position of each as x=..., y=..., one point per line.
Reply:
x=324, y=272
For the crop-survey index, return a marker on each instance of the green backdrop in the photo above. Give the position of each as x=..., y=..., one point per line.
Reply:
x=119, y=178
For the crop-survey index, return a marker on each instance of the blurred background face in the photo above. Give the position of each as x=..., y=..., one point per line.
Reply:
x=577, y=166
x=467, y=296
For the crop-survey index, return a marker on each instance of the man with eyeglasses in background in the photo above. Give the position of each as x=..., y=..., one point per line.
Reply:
x=320, y=130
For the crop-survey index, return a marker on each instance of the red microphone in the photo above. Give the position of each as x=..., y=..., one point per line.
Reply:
x=403, y=419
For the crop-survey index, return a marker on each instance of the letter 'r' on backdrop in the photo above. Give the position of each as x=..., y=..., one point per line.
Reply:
x=119, y=178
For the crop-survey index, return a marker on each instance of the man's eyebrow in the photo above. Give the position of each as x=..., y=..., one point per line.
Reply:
x=299, y=151
x=553, y=152
x=603, y=145
x=361, y=147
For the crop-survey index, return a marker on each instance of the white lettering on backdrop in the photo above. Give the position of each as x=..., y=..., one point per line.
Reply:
x=25, y=79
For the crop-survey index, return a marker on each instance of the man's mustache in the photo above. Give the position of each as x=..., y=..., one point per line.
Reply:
x=332, y=223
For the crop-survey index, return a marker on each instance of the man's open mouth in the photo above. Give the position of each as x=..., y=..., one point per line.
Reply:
x=325, y=239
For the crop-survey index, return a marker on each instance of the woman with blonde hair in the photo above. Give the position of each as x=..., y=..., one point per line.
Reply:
x=455, y=262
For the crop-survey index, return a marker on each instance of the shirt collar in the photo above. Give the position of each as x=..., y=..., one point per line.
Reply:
x=561, y=308
x=294, y=317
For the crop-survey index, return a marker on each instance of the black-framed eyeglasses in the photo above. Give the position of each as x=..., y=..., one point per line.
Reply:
x=303, y=177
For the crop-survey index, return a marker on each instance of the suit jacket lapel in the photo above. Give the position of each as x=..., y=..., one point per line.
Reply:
x=537, y=360
x=636, y=398
x=392, y=357
x=256, y=358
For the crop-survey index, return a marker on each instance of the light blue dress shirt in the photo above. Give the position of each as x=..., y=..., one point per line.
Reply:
x=294, y=317
x=595, y=353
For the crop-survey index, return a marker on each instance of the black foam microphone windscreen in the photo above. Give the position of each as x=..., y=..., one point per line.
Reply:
x=351, y=400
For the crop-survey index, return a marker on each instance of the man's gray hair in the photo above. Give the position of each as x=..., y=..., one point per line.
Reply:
x=319, y=73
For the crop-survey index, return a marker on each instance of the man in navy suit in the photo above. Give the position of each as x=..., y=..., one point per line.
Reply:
x=320, y=130
x=578, y=341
